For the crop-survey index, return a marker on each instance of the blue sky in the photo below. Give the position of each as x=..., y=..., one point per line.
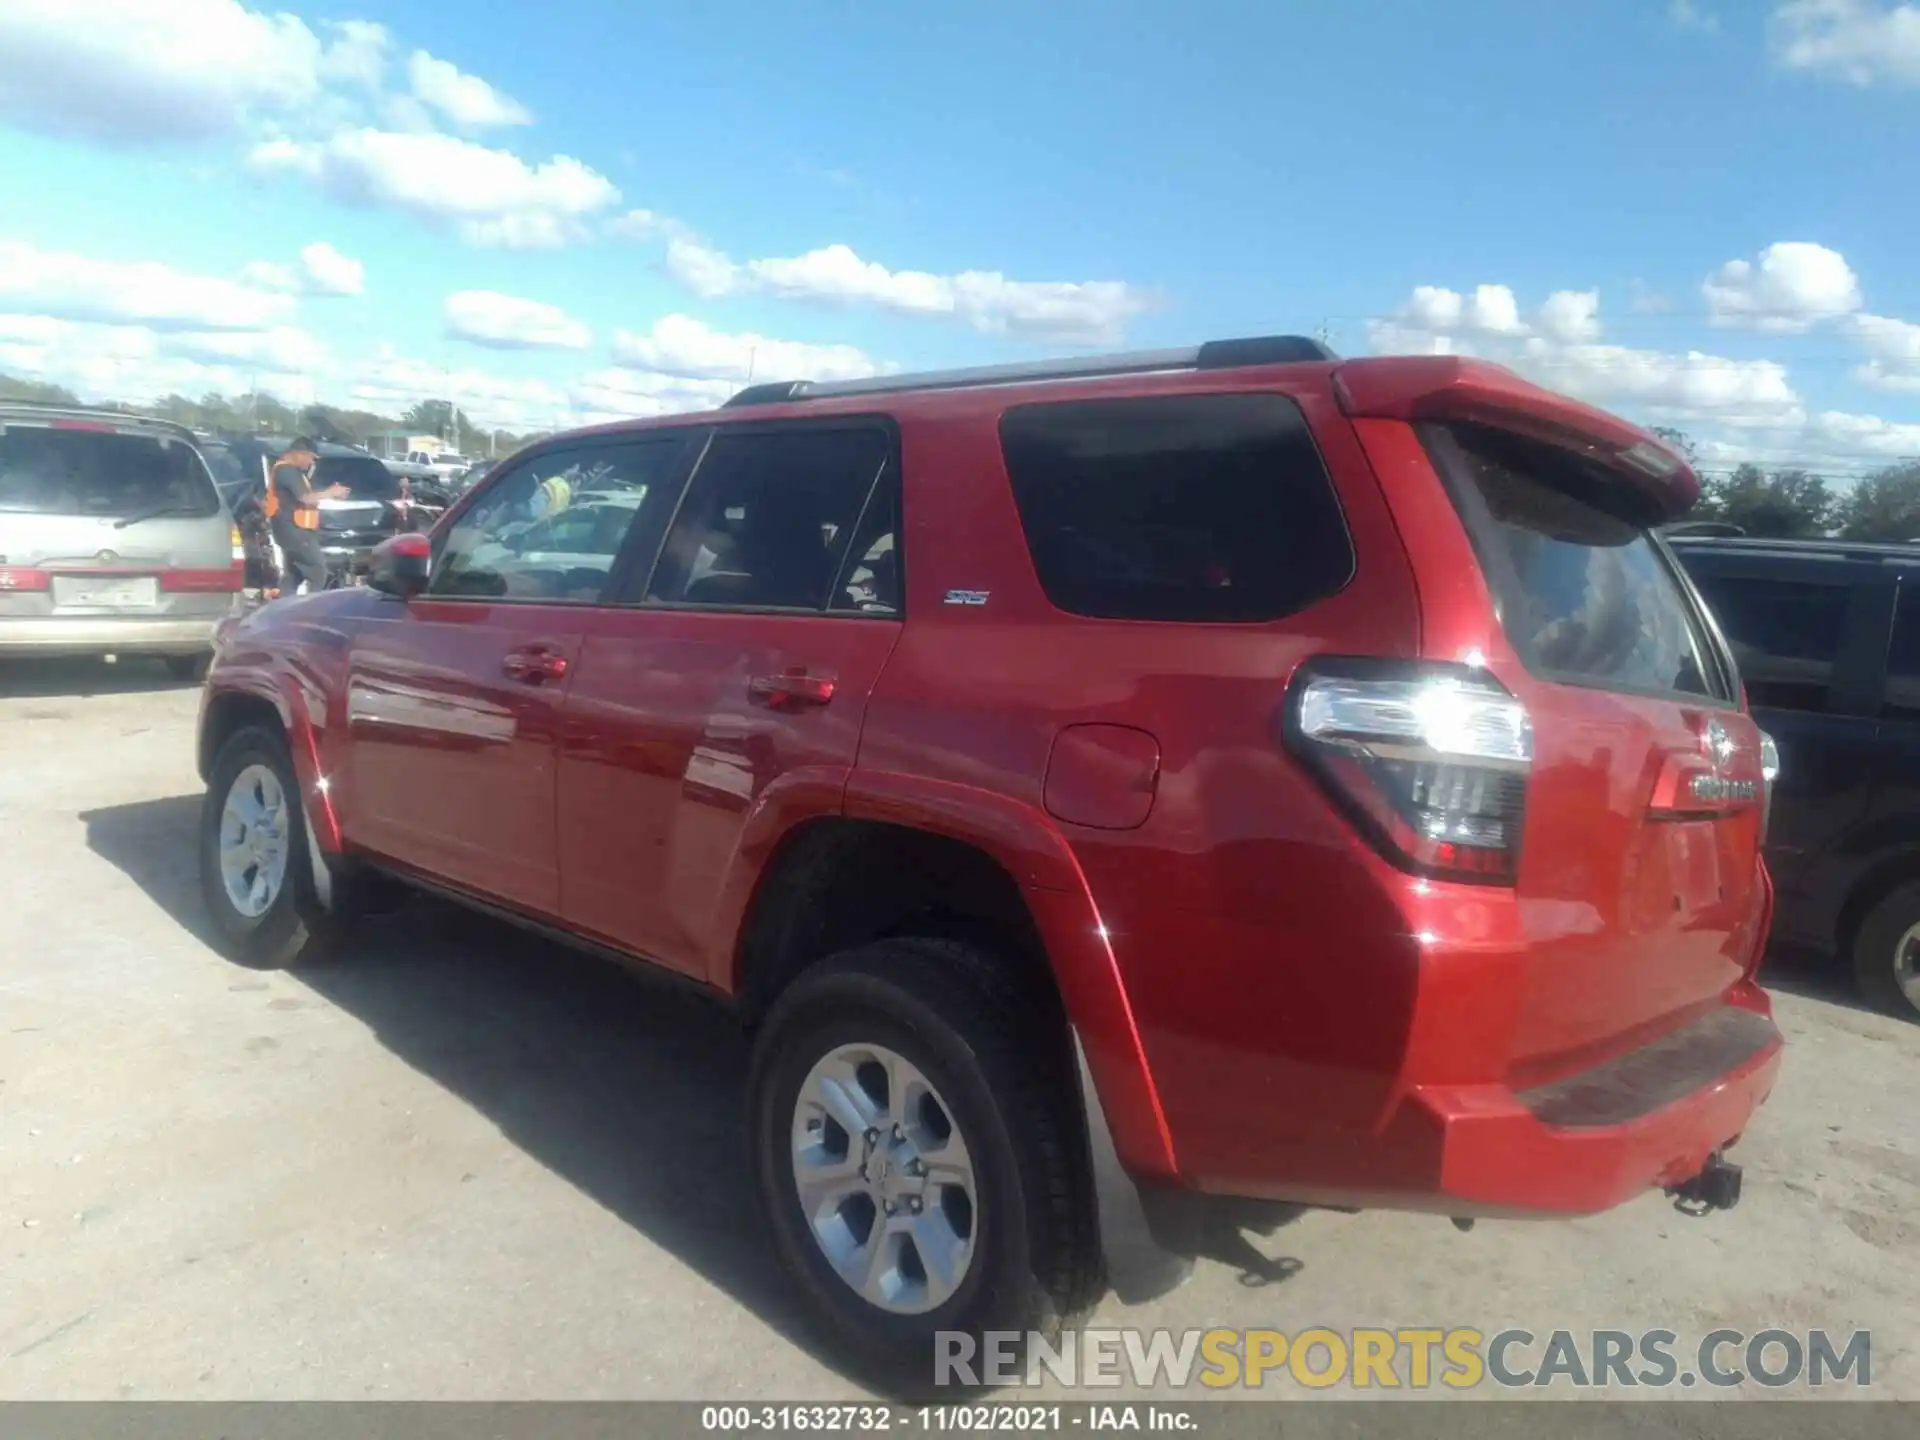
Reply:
x=1700, y=214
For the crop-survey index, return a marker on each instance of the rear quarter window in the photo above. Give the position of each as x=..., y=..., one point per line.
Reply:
x=1584, y=593
x=1182, y=508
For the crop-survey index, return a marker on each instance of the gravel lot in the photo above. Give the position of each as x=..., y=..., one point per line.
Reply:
x=460, y=1164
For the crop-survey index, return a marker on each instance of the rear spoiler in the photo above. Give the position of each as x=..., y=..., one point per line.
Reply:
x=1451, y=387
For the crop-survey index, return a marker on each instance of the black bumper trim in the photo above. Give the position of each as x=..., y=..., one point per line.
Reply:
x=1654, y=1076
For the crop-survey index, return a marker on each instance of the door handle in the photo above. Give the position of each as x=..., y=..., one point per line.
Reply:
x=790, y=691
x=534, y=666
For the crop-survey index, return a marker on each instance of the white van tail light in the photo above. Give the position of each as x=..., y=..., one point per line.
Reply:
x=1431, y=761
x=1769, y=772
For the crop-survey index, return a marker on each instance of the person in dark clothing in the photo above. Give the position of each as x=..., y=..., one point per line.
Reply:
x=296, y=516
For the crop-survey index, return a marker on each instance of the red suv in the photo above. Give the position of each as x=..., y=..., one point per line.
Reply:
x=1232, y=772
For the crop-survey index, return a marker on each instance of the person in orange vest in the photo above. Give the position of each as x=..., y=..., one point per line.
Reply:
x=293, y=509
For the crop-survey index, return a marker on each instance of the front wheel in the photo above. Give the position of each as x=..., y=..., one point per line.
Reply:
x=915, y=1154
x=256, y=874
x=1886, y=953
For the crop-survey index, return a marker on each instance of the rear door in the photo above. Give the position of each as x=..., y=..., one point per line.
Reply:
x=454, y=698
x=1639, y=878
x=1808, y=634
x=731, y=686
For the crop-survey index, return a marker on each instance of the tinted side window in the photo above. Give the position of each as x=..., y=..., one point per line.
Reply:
x=1181, y=507
x=1902, y=698
x=552, y=528
x=1784, y=633
x=769, y=517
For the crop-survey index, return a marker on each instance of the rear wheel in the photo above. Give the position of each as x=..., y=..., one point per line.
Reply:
x=915, y=1155
x=1886, y=953
x=256, y=874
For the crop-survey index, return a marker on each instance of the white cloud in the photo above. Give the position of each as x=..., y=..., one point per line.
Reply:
x=391, y=380
x=1859, y=42
x=1092, y=312
x=647, y=225
x=358, y=55
x=466, y=100
x=1560, y=350
x=492, y=196
x=679, y=345
x=1688, y=15
x=136, y=71
x=632, y=394
x=328, y=272
x=323, y=270
x=1665, y=387
x=1571, y=317
x=1792, y=285
x=135, y=364
x=508, y=322
x=1893, y=352
x=78, y=287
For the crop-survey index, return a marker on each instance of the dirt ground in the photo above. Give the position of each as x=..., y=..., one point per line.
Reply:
x=459, y=1163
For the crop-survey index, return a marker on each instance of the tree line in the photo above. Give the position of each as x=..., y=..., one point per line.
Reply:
x=1797, y=504
x=263, y=413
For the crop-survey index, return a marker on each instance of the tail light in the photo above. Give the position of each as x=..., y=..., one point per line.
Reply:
x=1431, y=761
x=18, y=579
x=239, y=546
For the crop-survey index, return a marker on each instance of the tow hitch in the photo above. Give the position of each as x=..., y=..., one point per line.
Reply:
x=1716, y=1187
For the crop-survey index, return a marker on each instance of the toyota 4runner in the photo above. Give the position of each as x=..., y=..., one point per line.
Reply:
x=1099, y=787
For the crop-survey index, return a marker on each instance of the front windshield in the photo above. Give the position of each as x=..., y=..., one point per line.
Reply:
x=49, y=471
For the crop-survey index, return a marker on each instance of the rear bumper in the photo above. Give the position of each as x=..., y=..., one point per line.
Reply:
x=109, y=634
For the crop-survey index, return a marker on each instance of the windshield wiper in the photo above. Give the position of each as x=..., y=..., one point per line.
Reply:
x=158, y=511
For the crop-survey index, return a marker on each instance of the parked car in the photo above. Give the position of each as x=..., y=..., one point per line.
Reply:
x=1104, y=790
x=1827, y=636
x=113, y=538
x=379, y=504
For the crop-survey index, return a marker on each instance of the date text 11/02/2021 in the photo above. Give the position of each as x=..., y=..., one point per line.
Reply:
x=986, y=1418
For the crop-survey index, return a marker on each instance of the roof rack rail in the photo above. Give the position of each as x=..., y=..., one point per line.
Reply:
x=1213, y=355
x=99, y=414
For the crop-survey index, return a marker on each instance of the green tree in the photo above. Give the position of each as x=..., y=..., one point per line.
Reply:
x=1786, y=504
x=1885, y=506
x=439, y=417
x=35, y=392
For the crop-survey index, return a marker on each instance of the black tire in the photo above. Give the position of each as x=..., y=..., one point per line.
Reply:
x=1877, y=951
x=189, y=667
x=284, y=933
x=936, y=1003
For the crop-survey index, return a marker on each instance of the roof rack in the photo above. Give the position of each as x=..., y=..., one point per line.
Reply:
x=1894, y=550
x=1214, y=355
x=122, y=418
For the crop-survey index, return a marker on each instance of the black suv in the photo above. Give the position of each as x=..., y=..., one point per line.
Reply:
x=376, y=506
x=1827, y=637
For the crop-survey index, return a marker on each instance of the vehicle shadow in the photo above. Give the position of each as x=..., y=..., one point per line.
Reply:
x=632, y=1090
x=1812, y=975
x=81, y=677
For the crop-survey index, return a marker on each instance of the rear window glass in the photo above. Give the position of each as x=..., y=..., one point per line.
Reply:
x=1183, y=507
x=365, y=477
x=1583, y=594
x=88, y=472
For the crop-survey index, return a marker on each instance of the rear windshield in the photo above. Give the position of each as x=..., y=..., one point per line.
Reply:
x=1183, y=507
x=1584, y=595
x=45, y=471
x=365, y=477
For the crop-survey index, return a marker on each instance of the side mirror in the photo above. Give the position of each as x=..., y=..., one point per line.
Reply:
x=400, y=565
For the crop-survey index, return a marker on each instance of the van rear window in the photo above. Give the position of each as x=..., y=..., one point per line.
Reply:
x=45, y=471
x=1583, y=593
x=1179, y=507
